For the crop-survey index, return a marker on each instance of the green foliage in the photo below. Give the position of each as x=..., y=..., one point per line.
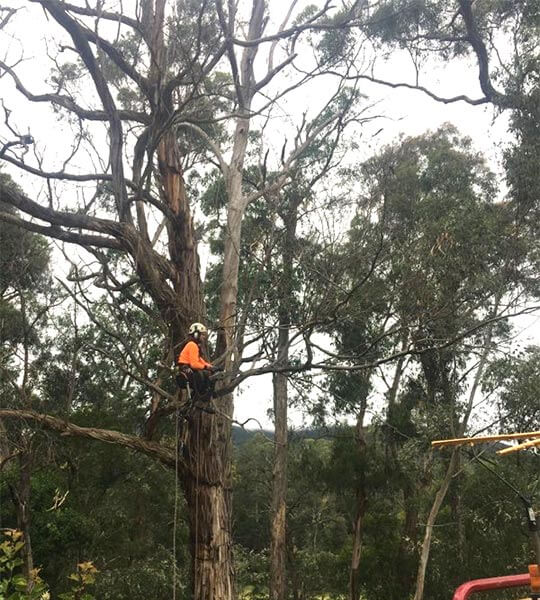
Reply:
x=481, y=525
x=84, y=577
x=24, y=259
x=515, y=380
x=397, y=23
x=14, y=586
x=67, y=76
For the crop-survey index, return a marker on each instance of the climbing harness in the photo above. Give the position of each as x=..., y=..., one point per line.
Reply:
x=190, y=380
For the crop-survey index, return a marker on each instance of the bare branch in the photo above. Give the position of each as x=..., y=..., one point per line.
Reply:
x=116, y=17
x=280, y=30
x=56, y=174
x=62, y=219
x=308, y=365
x=210, y=142
x=273, y=72
x=310, y=24
x=419, y=88
x=227, y=32
x=61, y=234
x=119, y=61
x=163, y=454
x=115, y=127
x=69, y=104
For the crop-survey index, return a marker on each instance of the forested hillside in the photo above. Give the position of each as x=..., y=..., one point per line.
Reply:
x=230, y=182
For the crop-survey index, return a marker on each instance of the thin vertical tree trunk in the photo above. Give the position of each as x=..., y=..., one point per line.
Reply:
x=354, y=588
x=426, y=544
x=278, y=511
x=405, y=569
x=454, y=460
x=358, y=528
x=22, y=504
x=457, y=517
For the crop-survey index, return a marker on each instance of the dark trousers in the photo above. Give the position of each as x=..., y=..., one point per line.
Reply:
x=199, y=382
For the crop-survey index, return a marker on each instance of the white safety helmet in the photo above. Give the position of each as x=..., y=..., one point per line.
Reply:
x=196, y=329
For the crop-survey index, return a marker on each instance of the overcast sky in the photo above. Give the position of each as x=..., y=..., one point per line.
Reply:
x=404, y=112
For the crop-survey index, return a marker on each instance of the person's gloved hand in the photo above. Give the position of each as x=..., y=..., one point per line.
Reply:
x=216, y=369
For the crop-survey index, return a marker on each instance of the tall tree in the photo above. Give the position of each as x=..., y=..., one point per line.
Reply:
x=432, y=229
x=26, y=296
x=153, y=78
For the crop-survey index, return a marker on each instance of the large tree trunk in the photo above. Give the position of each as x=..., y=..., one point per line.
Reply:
x=207, y=490
x=208, y=487
x=206, y=478
x=207, y=481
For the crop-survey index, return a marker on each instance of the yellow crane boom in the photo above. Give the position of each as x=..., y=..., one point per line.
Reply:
x=532, y=436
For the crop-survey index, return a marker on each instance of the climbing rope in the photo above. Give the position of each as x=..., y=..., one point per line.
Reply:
x=197, y=478
x=175, y=513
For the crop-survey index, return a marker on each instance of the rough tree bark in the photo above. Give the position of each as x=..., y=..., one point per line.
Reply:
x=278, y=505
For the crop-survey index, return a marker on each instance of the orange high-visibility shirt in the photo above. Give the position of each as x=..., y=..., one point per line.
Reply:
x=191, y=356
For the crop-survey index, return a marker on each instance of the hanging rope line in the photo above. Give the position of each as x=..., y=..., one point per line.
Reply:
x=197, y=478
x=175, y=513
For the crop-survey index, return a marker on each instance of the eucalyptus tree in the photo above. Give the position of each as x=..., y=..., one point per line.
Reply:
x=500, y=38
x=288, y=246
x=143, y=97
x=514, y=381
x=501, y=42
x=446, y=258
x=26, y=297
x=281, y=275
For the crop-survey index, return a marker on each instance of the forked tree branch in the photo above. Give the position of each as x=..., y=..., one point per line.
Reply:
x=79, y=38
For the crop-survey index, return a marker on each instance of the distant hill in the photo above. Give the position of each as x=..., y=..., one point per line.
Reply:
x=241, y=435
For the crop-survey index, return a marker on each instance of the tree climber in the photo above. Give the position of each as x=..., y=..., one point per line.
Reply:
x=193, y=367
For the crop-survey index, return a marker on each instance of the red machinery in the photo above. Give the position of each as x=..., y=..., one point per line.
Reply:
x=493, y=583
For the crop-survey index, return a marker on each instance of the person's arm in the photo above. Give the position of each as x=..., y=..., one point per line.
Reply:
x=205, y=364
